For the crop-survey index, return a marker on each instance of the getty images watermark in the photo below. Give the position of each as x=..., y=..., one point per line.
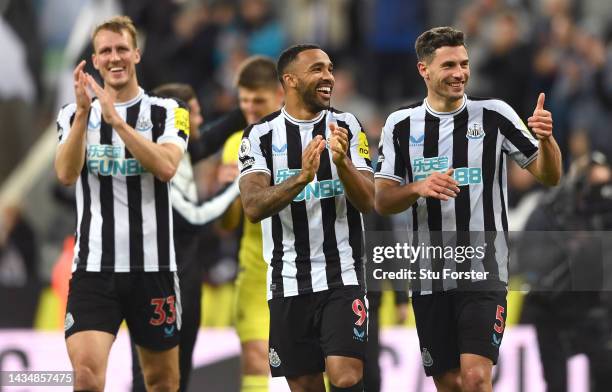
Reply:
x=411, y=254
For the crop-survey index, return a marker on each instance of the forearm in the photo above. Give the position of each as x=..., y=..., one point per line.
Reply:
x=70, y=156
x=261, y=202
x=208, y=211
x=152, y=156
x=213, y=136
x=549, y=162
x=358, y=189
x=393, y=200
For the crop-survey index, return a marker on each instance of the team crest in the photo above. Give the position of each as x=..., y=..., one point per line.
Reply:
x=274, y=358
x=143, y=124
x=426, y=357
x=475, y=131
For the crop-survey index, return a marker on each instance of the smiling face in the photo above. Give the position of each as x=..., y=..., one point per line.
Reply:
x=446, y=73
x=314, y=80
x=115, y=57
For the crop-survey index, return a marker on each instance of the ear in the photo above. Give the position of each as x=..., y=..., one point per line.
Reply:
x=290, y=80
x=136, y=55
x=94, y=60
x=423, y=70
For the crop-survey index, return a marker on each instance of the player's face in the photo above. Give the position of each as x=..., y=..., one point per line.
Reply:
x=115, y=57
x=447, y=73
x=257, y=103
x=315, y=79
x=195, y=118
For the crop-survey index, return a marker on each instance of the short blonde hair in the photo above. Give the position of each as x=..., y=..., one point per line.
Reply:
x=117, y=24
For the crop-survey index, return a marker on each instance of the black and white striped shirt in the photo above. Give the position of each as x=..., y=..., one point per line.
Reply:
x=474, y=140
x=315, y=243
x=124, y=213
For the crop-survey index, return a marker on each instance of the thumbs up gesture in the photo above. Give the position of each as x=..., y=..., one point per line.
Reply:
x=541, y=122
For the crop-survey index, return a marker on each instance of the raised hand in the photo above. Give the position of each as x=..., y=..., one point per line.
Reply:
x=83, y=99
x=438, y=185
x=106, y=101
x=338, y=143
x=311, y=158
x=541, y=122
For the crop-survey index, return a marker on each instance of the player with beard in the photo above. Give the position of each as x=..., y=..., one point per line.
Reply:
x=305, y=174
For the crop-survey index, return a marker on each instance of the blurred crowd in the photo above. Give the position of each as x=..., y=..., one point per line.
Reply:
x=517, y=49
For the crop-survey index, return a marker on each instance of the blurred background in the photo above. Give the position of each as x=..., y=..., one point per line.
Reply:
x=517, y=49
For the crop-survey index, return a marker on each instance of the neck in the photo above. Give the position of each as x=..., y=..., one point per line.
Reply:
x=125, y=93
x=442, y=104
x=295, y=107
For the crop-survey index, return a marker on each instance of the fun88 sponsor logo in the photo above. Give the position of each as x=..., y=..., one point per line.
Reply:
x=108, y=160
x=423, y=167
x=316, y=189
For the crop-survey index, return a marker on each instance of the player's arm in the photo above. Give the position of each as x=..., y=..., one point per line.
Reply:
x=261, y=200
x=70, y=154
x=358, y=184
x=161, y=160
x=233, y=215
x=393, y=197
x=207, y=211
x=213, y=135
x=546, y=168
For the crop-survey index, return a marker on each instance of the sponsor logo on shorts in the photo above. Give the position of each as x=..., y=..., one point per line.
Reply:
x=496, y=340
x=359, y=336
x=274, y=358
x=426, y=358
x=169, y=331
x=68, y=321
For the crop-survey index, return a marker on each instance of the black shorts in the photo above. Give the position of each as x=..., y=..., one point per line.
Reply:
x=307, y=328
x=148, y=301
x=458, y=322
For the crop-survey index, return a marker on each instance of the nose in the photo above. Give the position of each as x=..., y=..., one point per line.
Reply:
x=457, y=73
x=327, y=75
x=114, y=55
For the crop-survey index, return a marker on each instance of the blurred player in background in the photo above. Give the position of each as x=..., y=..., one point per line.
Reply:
x=121, y=150
x=189, y=215
x=305, y=173
x=259, y=94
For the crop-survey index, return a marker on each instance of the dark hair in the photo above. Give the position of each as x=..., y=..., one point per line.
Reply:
x=427, y=43
x=181, y=91
x=289, y=55
x=257, y=72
